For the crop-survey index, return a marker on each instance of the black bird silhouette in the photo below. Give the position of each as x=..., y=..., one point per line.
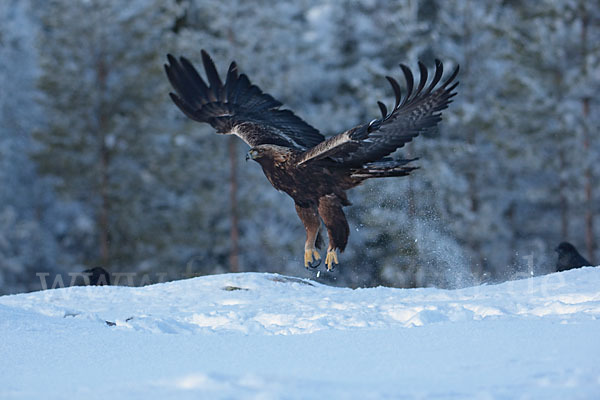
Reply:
x=98, y=276
x=569, y=258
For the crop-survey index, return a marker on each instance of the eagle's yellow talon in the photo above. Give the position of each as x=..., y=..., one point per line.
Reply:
x=331, y=259
x=311, y=255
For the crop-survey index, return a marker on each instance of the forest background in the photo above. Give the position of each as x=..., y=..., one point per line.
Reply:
x=99, y=168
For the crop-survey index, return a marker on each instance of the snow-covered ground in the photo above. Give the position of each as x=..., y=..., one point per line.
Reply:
x=267, y=336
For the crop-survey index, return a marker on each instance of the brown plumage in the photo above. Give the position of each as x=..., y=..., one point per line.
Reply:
x=296, y=159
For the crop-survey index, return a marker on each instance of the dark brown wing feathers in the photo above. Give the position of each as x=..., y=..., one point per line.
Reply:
x=237, y=106
x=416, y=112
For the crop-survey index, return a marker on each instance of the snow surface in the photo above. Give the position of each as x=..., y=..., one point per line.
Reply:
x=268, y=336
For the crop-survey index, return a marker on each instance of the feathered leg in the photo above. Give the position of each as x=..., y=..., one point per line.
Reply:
x=330, y=210
x=310, y=218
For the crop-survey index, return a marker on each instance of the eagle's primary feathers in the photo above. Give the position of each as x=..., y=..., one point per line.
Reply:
x=316, y=172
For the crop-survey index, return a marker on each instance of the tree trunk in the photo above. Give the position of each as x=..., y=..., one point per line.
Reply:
x=103, y=215
x=590, y=241
x=104, y=208
x=472, y=173
x=564, y=203
x=233, y=187
x=410, y=195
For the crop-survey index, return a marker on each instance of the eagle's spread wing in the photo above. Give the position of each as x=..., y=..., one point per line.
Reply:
x=371, y=142
x=236, y=107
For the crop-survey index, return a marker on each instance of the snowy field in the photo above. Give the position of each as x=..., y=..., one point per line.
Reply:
x=267, y=336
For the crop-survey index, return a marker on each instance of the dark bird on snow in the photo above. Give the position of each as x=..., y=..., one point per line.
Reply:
x=569, y=258
x=298, y=160
x=98, y=276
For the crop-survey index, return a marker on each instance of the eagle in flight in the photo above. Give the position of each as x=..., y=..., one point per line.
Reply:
x=298, y=160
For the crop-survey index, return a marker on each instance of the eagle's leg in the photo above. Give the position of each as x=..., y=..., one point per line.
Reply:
x=308, y=257
x=330, y=209
x=310, y=218
x=332, y=258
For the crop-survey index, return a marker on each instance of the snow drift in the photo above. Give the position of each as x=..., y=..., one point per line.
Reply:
x=270, y=336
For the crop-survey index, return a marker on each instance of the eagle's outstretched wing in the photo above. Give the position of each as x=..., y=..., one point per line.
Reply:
x=371, y=142
x=236, y=107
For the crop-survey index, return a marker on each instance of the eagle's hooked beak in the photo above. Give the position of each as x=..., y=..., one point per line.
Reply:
x=251, y=155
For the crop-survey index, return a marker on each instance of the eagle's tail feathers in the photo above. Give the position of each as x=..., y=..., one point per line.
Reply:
x=384, y=169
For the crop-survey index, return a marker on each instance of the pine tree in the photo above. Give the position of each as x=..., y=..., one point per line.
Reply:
x=27, y=243
x=478, y=150
x=104, y=93
x=560, y=47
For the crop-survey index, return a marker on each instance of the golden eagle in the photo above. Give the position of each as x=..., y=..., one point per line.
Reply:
x=295, y=157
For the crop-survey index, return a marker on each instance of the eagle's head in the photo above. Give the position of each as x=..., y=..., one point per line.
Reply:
x=269, y=153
